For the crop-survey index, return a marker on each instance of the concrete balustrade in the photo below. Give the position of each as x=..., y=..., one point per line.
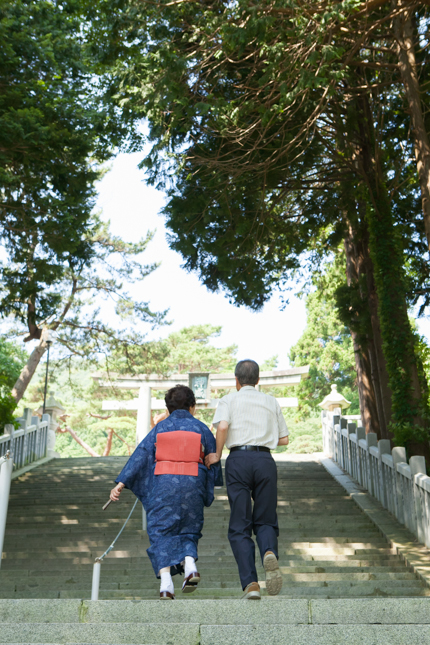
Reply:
x=27, y=444
x=402, y=488
x=20, y=450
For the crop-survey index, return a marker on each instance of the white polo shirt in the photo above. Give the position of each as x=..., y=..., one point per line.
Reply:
x=254, y=418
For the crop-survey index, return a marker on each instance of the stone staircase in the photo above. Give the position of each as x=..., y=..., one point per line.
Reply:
x=328, y=546
x=362, y=621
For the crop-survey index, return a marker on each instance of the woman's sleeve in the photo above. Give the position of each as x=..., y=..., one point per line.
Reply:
x=210, y=446
x=137, y=469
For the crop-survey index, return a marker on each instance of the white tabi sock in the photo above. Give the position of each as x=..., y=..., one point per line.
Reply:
x=190, y=565
x=166, y=583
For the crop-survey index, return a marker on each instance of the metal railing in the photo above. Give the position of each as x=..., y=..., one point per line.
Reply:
x=27, y=444
x=95, y=585
x=402, y=488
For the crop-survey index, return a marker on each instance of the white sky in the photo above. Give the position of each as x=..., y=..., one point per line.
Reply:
x=132, y=208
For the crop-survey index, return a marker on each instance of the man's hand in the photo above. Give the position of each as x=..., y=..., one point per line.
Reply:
x=115, y=492
x=211, y=458
x=284, y=441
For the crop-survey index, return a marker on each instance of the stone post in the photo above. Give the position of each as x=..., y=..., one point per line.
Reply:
x=384, y=448
x=143, y=425
x=361, y=434
x=417, y=465
x=6, y=467
x=399, y=457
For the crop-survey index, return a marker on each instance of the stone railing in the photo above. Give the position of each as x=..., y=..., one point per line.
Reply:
x=29, y=443
x=401, y=488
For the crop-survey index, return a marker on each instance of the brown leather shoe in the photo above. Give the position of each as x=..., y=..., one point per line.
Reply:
x=273, y=575
x=166, y=595
x=190, y=583
x=252, y=592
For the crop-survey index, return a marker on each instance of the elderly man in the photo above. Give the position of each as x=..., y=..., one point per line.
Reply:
x=251, y=424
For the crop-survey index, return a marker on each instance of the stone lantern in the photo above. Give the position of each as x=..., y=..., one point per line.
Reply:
x=334, y=400
x=55, y=410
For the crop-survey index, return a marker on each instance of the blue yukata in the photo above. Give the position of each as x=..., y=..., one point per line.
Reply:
x=173, y=503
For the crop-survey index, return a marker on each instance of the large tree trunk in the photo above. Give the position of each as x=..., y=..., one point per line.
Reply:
x=368, y=404
x=28, y=370
x=404, y=32
x=409, y=394
x=378, y=363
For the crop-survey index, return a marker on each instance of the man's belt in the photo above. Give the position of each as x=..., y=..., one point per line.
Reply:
x=259, y=448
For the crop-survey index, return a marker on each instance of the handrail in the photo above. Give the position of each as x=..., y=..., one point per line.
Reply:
x=95, y=586
x=112, y=546
x=402, y=488
x=6, y=466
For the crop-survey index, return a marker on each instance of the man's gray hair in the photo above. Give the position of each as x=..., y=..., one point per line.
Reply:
x=247, y=372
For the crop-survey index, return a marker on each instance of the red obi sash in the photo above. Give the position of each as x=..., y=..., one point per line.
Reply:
x=178, y=453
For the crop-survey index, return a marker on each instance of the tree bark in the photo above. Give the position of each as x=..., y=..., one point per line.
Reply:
x=368, y=403
x=378, y=363
x=404, y=32
x=107, y=450
x=28, y=370
x=80, y=441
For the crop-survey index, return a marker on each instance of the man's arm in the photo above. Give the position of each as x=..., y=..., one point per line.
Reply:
x=283, y=431
x=221, y=436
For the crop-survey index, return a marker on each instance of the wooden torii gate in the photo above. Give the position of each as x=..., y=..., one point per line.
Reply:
x=202, y=384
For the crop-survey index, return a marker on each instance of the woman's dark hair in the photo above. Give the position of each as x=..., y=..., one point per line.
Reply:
x=247, y=372
x=179, y=397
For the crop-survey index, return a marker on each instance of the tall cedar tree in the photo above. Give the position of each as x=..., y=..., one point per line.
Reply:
x=243, y=102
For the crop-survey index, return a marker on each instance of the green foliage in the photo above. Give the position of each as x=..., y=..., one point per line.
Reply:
x=12, y=360
x=305, y=436
x=187, y=350
x=190, y=350
x=54, y=128
x=326, y=344
x=269, y=364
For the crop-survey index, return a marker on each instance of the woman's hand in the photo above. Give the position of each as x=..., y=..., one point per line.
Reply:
x=115, y=492
x=211, y=458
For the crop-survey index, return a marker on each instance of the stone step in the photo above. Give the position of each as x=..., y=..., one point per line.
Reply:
x=234, y=593
x=85, y=540
x=118, y=569
x=213, y=581
x=73, y=551
x=148, y=633
x=76, y=552
x=118, y=558
x=271, y=610
x=312, y=634
x=126, y=574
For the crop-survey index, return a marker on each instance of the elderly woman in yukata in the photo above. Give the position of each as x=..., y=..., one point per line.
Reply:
x=167, y=473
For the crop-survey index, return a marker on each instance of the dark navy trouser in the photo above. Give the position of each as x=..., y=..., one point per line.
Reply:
x=251, y=475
